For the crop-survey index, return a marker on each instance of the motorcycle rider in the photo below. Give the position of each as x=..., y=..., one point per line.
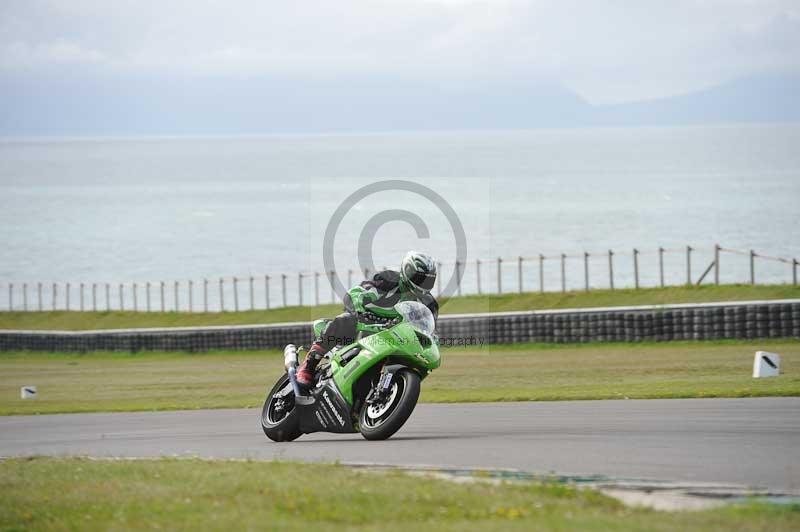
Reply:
x=374, y=299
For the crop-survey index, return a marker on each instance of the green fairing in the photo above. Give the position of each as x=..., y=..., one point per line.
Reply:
x=400, y=342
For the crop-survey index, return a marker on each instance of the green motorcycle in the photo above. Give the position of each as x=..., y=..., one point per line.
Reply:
x=370, y=386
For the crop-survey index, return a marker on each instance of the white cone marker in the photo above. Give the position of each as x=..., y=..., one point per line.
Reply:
x=766, y=365
x=27, y=392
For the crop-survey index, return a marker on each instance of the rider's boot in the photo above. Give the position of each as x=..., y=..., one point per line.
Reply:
x=305, y=371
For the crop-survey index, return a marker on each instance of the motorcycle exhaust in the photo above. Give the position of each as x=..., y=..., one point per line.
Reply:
x=290, y=363
x=290, y=356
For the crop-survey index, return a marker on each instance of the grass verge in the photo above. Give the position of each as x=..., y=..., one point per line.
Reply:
x=95, y=382
x=78, y=494
x=62, y=320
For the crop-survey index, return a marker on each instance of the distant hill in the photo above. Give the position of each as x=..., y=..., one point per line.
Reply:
x=78, y=104
x=754, y=99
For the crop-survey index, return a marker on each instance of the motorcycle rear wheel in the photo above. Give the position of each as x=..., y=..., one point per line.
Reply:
x=380, y=422
x=280, y=424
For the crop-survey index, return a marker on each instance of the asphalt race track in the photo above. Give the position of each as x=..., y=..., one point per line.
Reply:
x=754, y=442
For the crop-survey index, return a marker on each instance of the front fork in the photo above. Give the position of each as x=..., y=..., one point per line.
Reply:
x=382, y=389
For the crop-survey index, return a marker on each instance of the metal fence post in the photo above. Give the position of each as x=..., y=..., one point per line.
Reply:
x=135, y=298
x=205, y=295
x=121, y=298
x=716, y=264
x=458, y=277
x=252, y=296
x=794, y=271
x=161, y=295
x=689, y=265
x=55, y=296
x=499, y=275
x=25, y=297
x=221, y=294
x=190, y=285
x=10, y=296
x=706, y=272
x=39, y=295
x=330, y=282
x=300, y=288
x=94, y=297
x=175, y=291
x=66, y=295
x=541, y=273
x=147, y=296
x=636, y=268
x=283, y=288
x=586, y=271
x=266, y=291
x=752, y=267
x=519, y=274
x=478, y=274
x=563, y=273
x=316, y=288
x=235, y=294
x=611, y=269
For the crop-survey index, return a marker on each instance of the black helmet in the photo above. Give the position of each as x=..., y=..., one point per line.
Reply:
x=418, y=272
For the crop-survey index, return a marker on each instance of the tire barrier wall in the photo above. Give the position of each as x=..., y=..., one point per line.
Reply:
x=710, y=321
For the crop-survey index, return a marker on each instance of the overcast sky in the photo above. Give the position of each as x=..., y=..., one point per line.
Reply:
x=605, y=52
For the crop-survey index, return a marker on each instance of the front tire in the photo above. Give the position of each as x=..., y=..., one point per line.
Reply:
x=379, y=422
x=279, y=418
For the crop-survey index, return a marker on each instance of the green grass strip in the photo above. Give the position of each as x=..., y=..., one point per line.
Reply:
x=108, y=382
x=80, y=494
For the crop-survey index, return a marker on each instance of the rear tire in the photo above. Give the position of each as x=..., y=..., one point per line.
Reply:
x=279, y=424
x=378, y=425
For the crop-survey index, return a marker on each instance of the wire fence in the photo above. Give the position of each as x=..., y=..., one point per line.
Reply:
x=543, y=273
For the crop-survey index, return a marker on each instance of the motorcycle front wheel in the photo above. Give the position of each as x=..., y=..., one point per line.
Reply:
x=379, y=421
x=279, y=418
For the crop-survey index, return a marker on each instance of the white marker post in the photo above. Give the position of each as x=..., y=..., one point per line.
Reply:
x=27, y=392
x=766, y=365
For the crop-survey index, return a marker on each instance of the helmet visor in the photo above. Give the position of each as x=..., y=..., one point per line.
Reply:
x=421, y=280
